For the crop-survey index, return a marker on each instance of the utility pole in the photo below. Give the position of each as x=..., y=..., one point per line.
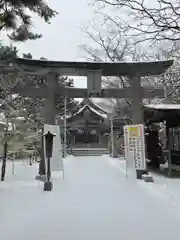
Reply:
x=112, y=138
x=65, y=126
x=3, y=168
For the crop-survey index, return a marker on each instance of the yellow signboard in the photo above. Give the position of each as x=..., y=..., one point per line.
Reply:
x=134, y=131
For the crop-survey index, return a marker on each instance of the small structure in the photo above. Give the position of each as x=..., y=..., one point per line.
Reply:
x=88, y=125
x=170, y=113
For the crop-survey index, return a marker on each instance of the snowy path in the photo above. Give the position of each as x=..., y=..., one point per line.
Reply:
x=94, y=202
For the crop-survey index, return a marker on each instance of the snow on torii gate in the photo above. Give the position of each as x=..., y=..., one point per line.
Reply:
x=93, y=71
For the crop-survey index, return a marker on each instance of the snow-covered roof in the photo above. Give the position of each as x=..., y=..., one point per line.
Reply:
x=108, y=105
x=111, y=105
x=2, y=123
x=164, y=106
x=156, y=102
x=92, y=109
x=95, y=103
x=104, y=104
x=163, y=103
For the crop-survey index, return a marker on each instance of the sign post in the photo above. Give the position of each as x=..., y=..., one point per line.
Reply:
x=134, y=143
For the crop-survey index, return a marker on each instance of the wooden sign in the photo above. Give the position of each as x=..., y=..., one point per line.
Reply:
x=94, y=82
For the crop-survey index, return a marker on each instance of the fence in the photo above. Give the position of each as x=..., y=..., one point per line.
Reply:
x=174, y=150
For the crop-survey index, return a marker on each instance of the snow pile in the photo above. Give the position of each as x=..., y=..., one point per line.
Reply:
x=120, y=164
x=21, y=174
x=165, y=190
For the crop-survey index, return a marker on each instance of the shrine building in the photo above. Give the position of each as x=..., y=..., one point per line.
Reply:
x=90, y=125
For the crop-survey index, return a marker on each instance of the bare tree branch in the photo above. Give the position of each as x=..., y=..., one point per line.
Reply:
x=112, y=44
x=156, y=20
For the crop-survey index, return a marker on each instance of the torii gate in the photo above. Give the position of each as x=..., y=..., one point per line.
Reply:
x=93, y=71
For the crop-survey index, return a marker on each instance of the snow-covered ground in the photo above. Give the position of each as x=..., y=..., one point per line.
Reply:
x=166, y=190
x=95, y=201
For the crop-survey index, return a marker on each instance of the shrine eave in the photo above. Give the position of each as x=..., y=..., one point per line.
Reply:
x=107, y=68
x=81, y=110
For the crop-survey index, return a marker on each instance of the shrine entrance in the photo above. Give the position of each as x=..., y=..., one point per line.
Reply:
x=94, y=72
x=86, y=136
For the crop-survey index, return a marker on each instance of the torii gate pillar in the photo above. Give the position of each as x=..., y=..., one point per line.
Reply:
x=50, y=106
x=49, y=118
x=137, y=111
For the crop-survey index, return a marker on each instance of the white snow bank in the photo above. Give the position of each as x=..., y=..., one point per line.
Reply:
x=165, y=190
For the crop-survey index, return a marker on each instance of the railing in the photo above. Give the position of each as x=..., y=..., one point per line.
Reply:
x=89, y=145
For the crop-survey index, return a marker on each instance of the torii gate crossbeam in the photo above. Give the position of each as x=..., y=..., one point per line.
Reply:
x=133, y=70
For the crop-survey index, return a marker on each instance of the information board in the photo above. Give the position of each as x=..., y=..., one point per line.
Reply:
x=134, y=144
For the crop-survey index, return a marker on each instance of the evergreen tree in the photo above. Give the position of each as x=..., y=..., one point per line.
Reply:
x=15, y=18
x=8, y=79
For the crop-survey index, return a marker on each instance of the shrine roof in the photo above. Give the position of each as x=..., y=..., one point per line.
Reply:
x=145, y=68
x=93, y=110
x=93, y=104
x=103, y=115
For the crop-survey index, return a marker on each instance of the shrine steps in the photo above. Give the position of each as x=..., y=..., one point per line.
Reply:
x=89, y=151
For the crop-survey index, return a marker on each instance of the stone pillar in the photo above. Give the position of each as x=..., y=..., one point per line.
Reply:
x=50, y=108
x=137, y=109
x=49, y=118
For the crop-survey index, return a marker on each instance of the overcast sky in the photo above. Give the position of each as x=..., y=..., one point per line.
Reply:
x=63, y=36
